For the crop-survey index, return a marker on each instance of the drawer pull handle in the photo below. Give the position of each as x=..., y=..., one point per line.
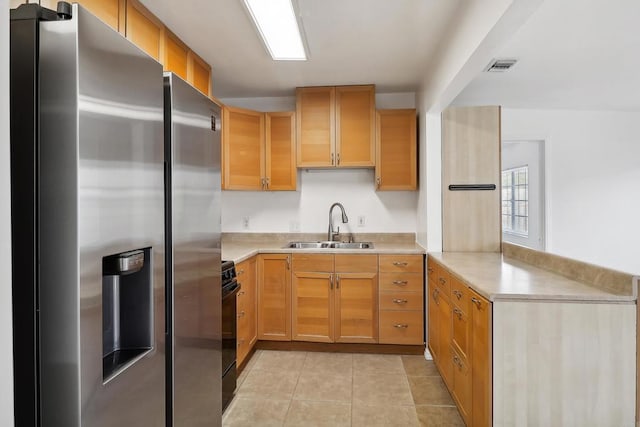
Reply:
x=457, y=293
x=429, y=270
x=458, y=313
x=331, y=281
x=476, y=301
x=400, y=263
x=241, y=271
x=241, y=314
x=457, y=361
x=401, y=326
x=240, y=293
x=442, y=280
x=400, y=282
x=337, y=282
x=399, y=301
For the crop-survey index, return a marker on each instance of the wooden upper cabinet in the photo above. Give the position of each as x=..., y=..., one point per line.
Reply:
x=199, y=73
x=280, y=149
x=315, y=115
x=144, y=29
x=111, y=12
x=336, y=126
x=176, y=54
x=355, y=126
x=396, y=150
x=243, y=149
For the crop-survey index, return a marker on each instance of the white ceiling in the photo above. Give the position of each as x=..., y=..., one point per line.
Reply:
x=391, y=43
x=577, y=54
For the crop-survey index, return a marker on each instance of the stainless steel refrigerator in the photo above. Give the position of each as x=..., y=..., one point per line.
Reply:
x=192, y=141
x=88, y=243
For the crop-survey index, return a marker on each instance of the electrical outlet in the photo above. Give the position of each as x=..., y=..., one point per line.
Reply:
x=361, y=221
x=245, y=222
x=294, y=226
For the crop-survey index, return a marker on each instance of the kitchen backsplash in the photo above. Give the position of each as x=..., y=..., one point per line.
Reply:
x=307, y=209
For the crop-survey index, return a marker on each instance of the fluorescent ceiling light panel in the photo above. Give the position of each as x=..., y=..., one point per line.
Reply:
x=277, y=24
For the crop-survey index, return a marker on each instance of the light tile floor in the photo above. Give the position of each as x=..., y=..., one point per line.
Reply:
x=291, y=388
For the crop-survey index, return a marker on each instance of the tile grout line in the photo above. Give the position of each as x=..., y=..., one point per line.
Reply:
x=306, y=353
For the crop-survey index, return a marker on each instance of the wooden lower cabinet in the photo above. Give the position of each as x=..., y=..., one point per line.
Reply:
x=401, y=299
x=481, y=360
x=335, y=298
x=274, y=297
x=460, y=340
x=461, y=384
x=246, y=308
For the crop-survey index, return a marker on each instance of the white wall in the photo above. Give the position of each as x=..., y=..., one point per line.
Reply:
x=6, y=355
x=592, y=181
x=307, y=209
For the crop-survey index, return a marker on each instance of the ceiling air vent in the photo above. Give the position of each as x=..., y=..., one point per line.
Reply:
x=500, y=65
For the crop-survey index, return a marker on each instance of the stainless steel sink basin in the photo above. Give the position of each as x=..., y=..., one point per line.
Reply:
x=352, y=245
x=329, y=245
x=308, y=245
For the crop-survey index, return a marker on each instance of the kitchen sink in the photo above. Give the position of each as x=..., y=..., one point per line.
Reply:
x=329, y=245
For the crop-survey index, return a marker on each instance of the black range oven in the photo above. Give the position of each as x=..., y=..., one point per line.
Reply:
x=230, y=288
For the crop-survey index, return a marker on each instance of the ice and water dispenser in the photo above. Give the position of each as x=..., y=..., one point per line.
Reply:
x=127, y=310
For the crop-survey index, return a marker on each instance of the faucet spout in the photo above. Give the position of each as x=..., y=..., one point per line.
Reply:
x=331, y=234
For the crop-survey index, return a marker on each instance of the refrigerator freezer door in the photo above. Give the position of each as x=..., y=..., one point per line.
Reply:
x=193, y=153
x=102, y=194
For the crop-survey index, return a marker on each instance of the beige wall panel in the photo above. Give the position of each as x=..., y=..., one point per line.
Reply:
x=564, y=364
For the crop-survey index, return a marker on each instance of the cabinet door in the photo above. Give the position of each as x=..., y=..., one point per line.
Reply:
x=144, y=29
x=175, y=54
x=247, y=308
x=111, y=12
x=315, y=134
x=355, y=126
x=396, y=150
x=280, y=151
x=444, y=339
x=198, y=73
x=481, y=359
x=433, y=319
x=274, y=297
x=461, y=389
x=356, y=307
x=242, y=149
x=312, y=307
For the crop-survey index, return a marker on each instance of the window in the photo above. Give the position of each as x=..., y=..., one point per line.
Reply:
x=515, y=200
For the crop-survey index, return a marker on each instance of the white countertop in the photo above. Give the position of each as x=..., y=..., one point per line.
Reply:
x=500, y=278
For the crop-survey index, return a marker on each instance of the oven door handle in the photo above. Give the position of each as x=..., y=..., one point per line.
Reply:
x=234, y=290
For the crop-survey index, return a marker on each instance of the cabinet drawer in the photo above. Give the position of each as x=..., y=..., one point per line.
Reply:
x=409, y=282
x=401, y=327
x=401, y=263
x=312, y=262
x=401, y=301
x=443, y=280
x=460, y=294
x=349, y=263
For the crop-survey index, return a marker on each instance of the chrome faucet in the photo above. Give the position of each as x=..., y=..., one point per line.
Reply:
x=331, y=235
